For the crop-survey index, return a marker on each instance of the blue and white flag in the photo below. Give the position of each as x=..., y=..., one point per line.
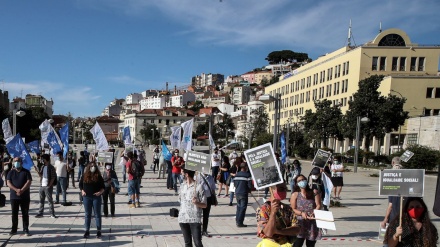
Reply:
x=126, y=135
x=53, y=142
x=283, y=148
x=211, y=141
x=165, y=152
x=46, y=128
x=187, y=134
x=17, y=148
x=328, y=187
x=7, y=133
x=64, y=135
x=34, y=147
x=99, y=137
x=175, y=136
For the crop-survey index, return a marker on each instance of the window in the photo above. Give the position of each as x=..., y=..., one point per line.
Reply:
x=421, y=64
x=383, y=63
x=402, y=64
x=411, y=139
x=437, y=92
x=348, y=65
x=394, y=64
x=343, y=69
x=436, y=112
x=427, y=112
x=374, y=63
x=160, y=120
x=413, y=64
x=429, y=92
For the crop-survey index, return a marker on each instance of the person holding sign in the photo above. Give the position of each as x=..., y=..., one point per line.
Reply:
x=243, y=186
x=178, y=164
x=416, y=228
x=276, y=221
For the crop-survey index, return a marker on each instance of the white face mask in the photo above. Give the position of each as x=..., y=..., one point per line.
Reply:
x=108, y=167
x=314, y=177
x=93, y=169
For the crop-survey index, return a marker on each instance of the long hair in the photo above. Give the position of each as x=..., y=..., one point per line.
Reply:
x=309, y=191
x=90, y=177
x=237, y=161
x=226, y=160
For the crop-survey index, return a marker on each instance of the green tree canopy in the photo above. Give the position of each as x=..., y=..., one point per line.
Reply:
x=276, y=57
x=28, y=125
x=424, y=157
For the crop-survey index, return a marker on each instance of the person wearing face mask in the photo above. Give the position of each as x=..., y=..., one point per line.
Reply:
x=92, y=187
x=274, y=220
x=178, y=164
x=416, y=229
x=19, y=181
x=294, y=172
x=303, y=202
x=317, y=184
x=215, y=164
x=61, y=169
x=109, y=176
x=337, y=170
x=224, y=174
x=48, y=176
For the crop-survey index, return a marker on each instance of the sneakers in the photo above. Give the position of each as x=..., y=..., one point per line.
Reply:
x=86, y=234
x=241, y=225
x=132, y=206
x=98, y=234
x=137, y=204
x=26, y=232
x=206, y=234
x=39, y=216
x=53, y=216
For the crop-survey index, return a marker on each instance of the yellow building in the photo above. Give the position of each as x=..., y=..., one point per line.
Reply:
x=409, y=69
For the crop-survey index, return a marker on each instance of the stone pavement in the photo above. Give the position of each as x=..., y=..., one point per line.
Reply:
x=357, y=222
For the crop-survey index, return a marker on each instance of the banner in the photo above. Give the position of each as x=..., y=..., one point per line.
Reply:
x=45, y=129
x=402, y=182
x=197, y=161
x=328, y=187
x=34, y=147
x=211, y=142
x=7, y=133
x=64, y=136
x=126, y=135
x=283, y=148
x=99, y=137
x=165, y=152
x=187, y=134
x=321, y=158
x=263, y=166
x=53, y=143
x=17, y=148
x=175, y=136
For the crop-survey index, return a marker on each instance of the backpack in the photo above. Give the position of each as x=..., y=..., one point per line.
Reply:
x=137, y=170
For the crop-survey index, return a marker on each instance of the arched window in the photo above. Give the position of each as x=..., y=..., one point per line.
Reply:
x=392, y=40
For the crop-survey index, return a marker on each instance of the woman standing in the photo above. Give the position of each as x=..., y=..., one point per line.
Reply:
x=224, y=174
x=92, y=186
x=337, y=171
x=108, y=177
x=416, y=229
x=303, y=202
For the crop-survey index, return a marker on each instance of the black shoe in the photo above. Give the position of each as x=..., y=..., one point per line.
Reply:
x=86, y=234
x=241, y=225
x=230, y=204
x=57, y=202
x=106, y=215
x=113, y=215
x=129, y=202
x=98, y=234
x=26, y=232
x=206, y=234
x=12, y=233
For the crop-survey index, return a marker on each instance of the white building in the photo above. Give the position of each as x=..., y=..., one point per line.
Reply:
x=152, y=103
x=424, y=130
x=133, y=98
x=181, y=99
x=241, y=94
x=226, y=108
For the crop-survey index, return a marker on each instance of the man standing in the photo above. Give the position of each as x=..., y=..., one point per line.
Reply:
x=48, y=175
x=243, y=185
x=178, y=164
x=61, y=170
x=133, y=180
x=19, y=181
x=216, y=161
x=192, y=200
x=82, y=164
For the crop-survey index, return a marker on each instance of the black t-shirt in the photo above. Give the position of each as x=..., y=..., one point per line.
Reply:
x=92, y=187
x=19, y=179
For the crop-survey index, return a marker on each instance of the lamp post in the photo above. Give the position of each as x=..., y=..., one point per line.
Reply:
x=16, y=113
x=400, y=127
x=356, y=150
x=266, y=99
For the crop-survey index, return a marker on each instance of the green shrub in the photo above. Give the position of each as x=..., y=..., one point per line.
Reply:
x=424, y=157
x=304, y=151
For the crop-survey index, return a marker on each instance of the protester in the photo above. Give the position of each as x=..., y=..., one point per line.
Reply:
x=71, y=170
x=92, y=186
x=178, y=164
x=337, y=170
x=156, y=157
x=123, y=164
x=233, y=171
x=169, y=174
x=224, y=174
x=317, y=185
x=61, y=170
x=294, y=172
x=207, y=181
x=243, y=186
x=275, y=219
x=48, y=176
x=19, y=181
x=303, y=202
x=162, y=167
x=109, y=176
x=7, y=166
x=416, y=229
x=39, y=165
x=192, y=200
x=277, y=158
x=133, y=180
x=215, y=164
x=81, y=165
x=233, y=156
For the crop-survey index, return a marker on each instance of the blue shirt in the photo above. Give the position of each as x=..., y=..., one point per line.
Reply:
x=19, y=179
x=243, y=183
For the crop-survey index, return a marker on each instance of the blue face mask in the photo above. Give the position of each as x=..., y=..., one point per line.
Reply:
x=17, y=164
x=302, y=184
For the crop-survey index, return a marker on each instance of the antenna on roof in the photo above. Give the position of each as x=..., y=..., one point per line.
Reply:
x=380, y=27
x=349, y=35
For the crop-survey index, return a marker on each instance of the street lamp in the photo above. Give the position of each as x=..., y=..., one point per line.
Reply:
x=356, y=150
x=400, y=127
x=16, y=113
x=267, y=99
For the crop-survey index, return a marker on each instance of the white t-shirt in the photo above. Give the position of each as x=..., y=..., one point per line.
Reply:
x=336, y=167
x=216, y=163
x=44, y=180
x=61, y=168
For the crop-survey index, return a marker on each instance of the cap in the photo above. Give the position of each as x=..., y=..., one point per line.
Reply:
x=315, y=171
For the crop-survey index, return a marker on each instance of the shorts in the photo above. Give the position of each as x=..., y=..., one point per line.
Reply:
x=337, y=181
x=133, y=187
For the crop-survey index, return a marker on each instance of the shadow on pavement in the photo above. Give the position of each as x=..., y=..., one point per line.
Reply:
x=362, y=218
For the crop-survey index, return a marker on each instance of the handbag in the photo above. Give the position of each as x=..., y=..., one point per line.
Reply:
x=213, y=197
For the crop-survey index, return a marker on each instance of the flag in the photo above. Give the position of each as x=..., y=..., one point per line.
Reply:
x=126, y=135
x=53, y=143
x=211, y=141
x=64, y=135
x=165, y=152
x=283, y=148
x=17, y=148
x=34, y=147
x=328, y=187
x=436, y=208
x=99, y=137
x=46, y=128
x=175, y=136
x=7, y=133
x=187, y=134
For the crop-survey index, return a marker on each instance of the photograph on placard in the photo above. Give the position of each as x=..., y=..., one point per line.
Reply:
x=321, y=158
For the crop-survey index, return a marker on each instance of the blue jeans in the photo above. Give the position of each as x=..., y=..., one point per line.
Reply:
x=176, y=177
x=61, y=188
x=169, y=175
x=95, y=203
x=242, y=202
x=231, y=197
x=80, y=171
x=134, y=187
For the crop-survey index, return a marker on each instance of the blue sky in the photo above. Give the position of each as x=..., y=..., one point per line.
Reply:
x=85, y=53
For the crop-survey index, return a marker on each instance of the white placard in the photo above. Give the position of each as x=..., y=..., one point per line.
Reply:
x=324, y=219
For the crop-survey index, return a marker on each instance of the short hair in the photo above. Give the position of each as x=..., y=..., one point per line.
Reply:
x=189, y=172
x=45, y=157
x=395, y=160
x=130, y=155
x=243, y=165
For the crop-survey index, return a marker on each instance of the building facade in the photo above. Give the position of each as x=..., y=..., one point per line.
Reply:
x=241, y=95
x=39, y=101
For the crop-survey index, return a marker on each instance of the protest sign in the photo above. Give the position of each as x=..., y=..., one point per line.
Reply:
x=321, y=158
x=324, y=219
x=105, y=157
x=402, y=182
x=263, y=166
x=196, y=161
x=406, y=156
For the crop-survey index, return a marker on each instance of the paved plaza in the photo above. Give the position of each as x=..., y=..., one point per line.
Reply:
x=357, y=222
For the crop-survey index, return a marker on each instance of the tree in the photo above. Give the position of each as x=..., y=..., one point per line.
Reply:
x=257, y=125
x=28, y=125
x=147, y=132
x=385, y=113
x=202, y=129
x=223, y=128
x=277, y=57
x=197, y=106
x=265, y=82
x=424, y=157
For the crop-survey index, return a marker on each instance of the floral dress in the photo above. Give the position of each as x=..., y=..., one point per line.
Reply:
x=285, y=219
x=309, y=230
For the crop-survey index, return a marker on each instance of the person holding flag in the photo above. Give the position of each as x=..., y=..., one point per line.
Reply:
x=61, y=170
